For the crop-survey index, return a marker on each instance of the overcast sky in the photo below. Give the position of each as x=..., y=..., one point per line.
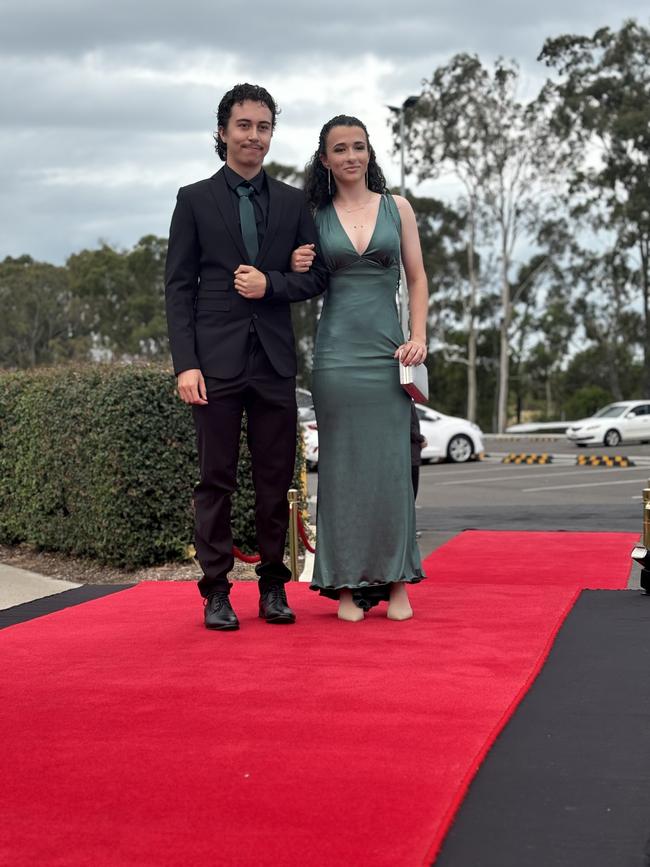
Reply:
x=107, y=108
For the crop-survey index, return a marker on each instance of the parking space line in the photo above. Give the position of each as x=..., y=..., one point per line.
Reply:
x=581, y=472
x=586, y=485
x=498, y=469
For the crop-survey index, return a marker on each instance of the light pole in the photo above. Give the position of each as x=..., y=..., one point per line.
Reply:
x=409, y=102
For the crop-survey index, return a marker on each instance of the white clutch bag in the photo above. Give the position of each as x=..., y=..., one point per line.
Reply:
x=414, y=379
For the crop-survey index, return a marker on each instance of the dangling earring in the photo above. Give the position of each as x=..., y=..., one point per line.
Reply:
x=367, y=184
x=329, y=182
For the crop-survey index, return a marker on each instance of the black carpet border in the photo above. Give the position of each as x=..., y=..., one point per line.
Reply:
x=57, y=602
x=567, y=783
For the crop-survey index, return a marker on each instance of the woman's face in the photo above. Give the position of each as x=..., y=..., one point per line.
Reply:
x=346, y=153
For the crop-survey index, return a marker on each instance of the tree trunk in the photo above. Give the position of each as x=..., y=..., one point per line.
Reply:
x=471, y=372
x=504, y=348
x=643, y=250
x=612, y=367
x=471, y=332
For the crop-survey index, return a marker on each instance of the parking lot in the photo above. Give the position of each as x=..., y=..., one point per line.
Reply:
x=491, y=484
x=489, y=494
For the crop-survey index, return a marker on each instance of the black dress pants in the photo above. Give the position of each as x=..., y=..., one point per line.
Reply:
x=270, y=404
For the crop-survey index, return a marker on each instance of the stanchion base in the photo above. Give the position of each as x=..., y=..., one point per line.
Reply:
x=645, y=581
x=641, y=555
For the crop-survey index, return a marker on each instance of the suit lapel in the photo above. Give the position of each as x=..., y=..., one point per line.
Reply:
x=276, y=204
x=221, y=195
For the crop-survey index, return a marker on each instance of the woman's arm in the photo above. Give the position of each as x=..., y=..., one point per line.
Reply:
x=416, y=280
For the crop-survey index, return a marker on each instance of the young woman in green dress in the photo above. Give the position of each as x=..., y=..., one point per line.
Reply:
x=366, y=550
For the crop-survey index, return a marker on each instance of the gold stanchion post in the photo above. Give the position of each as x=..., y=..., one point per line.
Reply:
x=292, y=496
x=641, y=553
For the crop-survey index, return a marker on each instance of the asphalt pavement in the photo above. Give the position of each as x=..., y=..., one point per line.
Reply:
x=492, y=495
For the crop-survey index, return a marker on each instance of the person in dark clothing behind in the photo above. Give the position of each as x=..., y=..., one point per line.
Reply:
x=418, y=442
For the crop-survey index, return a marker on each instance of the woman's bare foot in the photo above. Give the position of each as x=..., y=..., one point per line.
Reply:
x=347, y=609
x=399, y=607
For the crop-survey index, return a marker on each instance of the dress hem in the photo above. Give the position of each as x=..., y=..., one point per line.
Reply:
x=365, y=594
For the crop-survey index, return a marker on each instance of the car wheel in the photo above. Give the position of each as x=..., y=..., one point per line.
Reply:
x=612, y=438
x=460, y=449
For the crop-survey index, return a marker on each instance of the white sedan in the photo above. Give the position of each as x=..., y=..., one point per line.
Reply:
x=307, y=419
x=448, y=437
x=624, y=421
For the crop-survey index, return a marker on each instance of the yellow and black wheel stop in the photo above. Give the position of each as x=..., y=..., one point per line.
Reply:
x=523, y=458
x=603, y=461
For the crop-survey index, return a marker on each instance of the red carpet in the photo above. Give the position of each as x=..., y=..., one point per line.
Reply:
x=594, y=561
x=130, y=735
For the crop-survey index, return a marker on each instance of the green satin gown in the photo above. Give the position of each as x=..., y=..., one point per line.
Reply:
x=366, y=512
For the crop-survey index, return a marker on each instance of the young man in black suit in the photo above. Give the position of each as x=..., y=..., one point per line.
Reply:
x=228, y=292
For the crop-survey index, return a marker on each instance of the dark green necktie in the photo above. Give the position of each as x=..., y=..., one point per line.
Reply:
x=247, y=220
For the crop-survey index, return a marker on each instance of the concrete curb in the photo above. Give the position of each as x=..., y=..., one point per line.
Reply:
x=18, y=586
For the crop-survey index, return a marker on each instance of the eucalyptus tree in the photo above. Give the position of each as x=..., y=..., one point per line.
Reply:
x=605, y=289
x=286, y=173
x=442, y=231
x=554, y=322
x=123, y=297
x=552, y=329
x=468, y=123
x=40, y=321
x=601, y=108
x=448, y=237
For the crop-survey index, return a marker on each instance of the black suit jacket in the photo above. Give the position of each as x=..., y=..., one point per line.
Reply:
x=208, y=321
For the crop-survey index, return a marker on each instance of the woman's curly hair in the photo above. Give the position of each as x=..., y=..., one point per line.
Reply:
x=316, y=186
x=240, y=93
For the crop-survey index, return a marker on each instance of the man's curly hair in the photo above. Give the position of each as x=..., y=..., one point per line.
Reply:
x=240, y=93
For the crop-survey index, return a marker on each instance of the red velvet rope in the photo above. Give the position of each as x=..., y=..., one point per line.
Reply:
x=304, y=537
x=255, y=558
x=245, y=558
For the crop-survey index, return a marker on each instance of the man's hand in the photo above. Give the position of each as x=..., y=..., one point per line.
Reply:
x=191, y=387
x=249, y=282
x=302, y=257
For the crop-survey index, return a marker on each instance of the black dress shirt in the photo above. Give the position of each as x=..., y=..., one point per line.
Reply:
x=260, y=206
x=260, y=200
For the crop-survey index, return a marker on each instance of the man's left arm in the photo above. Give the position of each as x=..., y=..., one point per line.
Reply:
x=292, y=286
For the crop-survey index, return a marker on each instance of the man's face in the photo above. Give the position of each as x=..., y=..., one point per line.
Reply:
x=248, y=135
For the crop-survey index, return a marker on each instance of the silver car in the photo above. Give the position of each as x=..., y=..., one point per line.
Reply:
x=623, y=421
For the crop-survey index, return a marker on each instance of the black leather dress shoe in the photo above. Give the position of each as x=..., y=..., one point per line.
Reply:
x=218, y=613
x=274, y=607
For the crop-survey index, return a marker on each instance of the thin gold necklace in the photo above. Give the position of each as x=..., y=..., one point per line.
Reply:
x=358, y=208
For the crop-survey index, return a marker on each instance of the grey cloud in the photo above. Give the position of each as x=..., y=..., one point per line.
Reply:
x=66, y=193
x=106, y=108
x=283, y=30
x=61, y=92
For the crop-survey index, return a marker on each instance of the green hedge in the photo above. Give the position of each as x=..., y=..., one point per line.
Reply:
x=100, y=461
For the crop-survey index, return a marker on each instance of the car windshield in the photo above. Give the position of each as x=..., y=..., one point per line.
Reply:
x=611, y=411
